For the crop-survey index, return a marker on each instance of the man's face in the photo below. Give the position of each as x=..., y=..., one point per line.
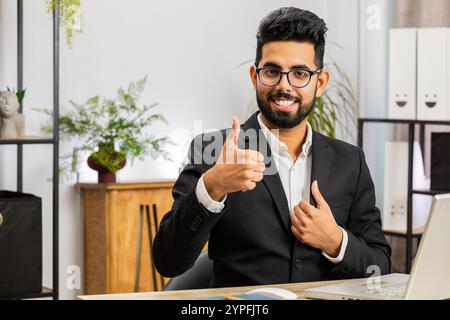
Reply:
x=284, y=105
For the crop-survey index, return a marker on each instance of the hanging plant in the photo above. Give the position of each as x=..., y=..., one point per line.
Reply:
x=69, y=17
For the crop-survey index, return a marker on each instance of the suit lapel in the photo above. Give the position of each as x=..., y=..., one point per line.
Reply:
x=271, y=181
x=322, y=157
x=275, y=187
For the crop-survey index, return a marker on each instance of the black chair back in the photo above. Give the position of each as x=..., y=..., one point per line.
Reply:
x=197, y=277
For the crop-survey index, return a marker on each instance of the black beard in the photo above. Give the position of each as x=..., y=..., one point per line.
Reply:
x=284, y=120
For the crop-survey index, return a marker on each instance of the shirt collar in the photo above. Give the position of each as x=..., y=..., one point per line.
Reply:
x=276, y=144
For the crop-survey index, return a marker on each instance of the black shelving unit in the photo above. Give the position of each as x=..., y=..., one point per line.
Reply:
x=54, y=141
x=409, y=235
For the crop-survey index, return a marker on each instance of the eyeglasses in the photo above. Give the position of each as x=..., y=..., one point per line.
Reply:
x=298, y=78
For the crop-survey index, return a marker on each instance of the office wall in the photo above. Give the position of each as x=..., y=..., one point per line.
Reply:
x=377, y=17
x=123, y=40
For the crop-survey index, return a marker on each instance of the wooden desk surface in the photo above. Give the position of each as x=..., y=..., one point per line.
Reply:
x=298, y=288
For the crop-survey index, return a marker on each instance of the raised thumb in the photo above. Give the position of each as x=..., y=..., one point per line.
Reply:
x=234, y=134
x=317, y=195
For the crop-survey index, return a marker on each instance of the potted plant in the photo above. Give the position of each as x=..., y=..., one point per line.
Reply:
x=111, y=131
x=337, y=105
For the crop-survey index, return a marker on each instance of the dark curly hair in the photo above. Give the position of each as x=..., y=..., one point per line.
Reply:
x=290, y=23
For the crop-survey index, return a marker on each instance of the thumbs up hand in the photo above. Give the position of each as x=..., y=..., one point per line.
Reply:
x=235, y=127
x=236, y=169
x=316, y=226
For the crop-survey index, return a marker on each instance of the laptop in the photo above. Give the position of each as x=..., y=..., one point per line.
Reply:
x=430, y=276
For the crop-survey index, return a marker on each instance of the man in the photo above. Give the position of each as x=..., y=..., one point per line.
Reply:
x=313, y=217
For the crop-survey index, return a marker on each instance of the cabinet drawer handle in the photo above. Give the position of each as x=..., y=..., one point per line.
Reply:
x=1, y=218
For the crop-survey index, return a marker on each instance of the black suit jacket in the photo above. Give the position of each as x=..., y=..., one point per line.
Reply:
x=250, y=241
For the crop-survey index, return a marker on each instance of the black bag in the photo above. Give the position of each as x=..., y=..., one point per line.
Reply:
x=440, y=161
x=20, y=243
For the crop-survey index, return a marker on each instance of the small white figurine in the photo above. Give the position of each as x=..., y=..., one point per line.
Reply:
x=11, y=122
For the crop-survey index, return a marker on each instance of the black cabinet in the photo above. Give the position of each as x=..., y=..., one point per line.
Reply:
x=20, y=243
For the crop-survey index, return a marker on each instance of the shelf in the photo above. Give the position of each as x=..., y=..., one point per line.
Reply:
x=125, y=185
x=429, y=192
x=384, y=120
x=416, y=232
x=52, y=140
x=27, y=140
x=45, y=293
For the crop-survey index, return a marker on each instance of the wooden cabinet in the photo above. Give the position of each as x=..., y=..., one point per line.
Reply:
x=112, y=222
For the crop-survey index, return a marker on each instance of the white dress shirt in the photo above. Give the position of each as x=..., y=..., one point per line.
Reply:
x=295, y=178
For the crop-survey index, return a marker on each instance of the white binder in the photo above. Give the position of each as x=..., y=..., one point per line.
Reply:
x=395, y=197
x=402, y=73
x=395, y=185
x=433, y=74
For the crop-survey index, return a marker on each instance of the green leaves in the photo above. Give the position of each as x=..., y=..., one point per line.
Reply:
x=118, y=125
x=70, y=16
x=337, y=105
x=109, y=159
x=20, y=94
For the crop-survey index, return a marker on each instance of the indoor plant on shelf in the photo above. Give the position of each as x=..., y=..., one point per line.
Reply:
x=111, y=131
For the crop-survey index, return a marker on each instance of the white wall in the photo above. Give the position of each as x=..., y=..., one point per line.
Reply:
x=122, y=41
x=377, y=17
